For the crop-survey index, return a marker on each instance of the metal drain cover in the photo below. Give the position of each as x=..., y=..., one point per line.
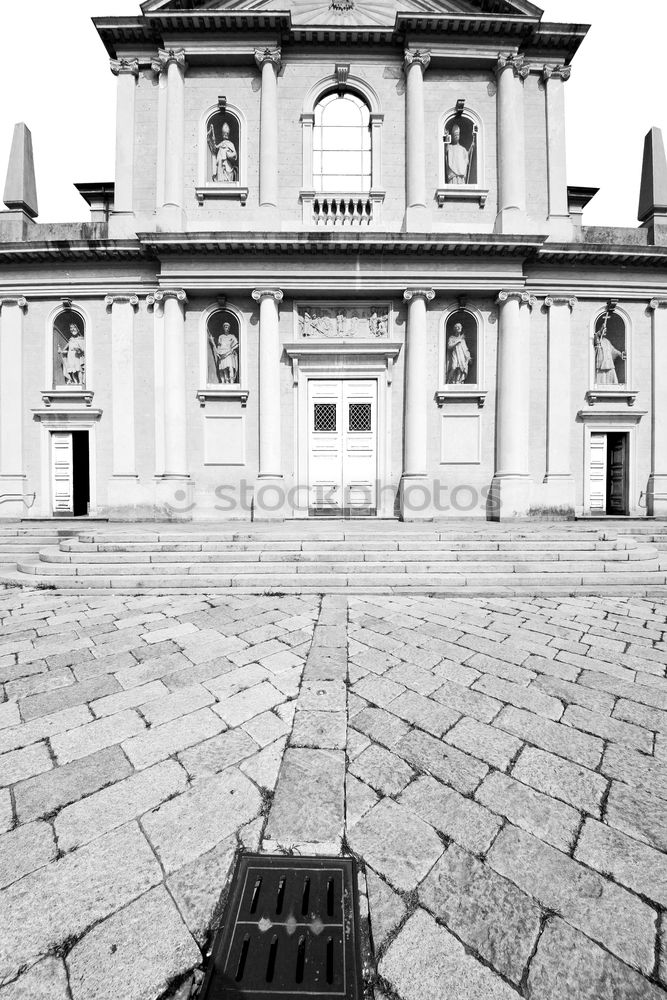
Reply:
x=290, y=930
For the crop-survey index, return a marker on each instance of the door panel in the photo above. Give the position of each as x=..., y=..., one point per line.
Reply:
x=62, y=473
x=618, y=465
x=598, y=474
x=342, y=446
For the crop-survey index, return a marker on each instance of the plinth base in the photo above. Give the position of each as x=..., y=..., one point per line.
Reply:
x=509, y=498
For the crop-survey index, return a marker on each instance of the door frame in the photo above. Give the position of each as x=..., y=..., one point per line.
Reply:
x=343, y=360
x=74, y=420
x=612, y=423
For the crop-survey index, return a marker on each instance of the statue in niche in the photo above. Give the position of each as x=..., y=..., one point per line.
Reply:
x=461, y=350
x=460, y=151
x=223, y=342
x=222, y=138
x=610, y=357
x=70, y=350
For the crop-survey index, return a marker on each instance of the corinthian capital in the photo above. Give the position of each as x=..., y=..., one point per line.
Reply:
x=419, y=293
x=267, y=293
x=166, y=57
x=272, y=56
x=556, y=73
x=516, y=63
x=421, y=57
x=123, y=67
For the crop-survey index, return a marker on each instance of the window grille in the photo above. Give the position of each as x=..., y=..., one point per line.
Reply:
x=359, y=417
x=324, y=417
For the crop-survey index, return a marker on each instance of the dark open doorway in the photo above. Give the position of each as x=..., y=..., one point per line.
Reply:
x=617, y=474
x=80, y=473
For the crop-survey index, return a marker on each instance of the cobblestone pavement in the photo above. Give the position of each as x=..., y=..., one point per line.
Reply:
x=499, y=767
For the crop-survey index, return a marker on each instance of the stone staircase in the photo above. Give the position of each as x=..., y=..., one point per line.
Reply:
x=21, y=541
x=351, y=557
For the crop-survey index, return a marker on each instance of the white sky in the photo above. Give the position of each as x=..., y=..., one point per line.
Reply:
x=54, y=75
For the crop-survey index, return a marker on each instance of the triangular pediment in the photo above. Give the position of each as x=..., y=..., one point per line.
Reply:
x=351, y=12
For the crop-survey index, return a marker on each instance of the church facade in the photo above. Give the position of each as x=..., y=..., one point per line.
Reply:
x=339, y=272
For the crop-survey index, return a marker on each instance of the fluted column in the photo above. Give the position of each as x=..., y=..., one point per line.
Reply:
x=270, y=465
x=12, y=472
x=657, y=485
x=173, y=303
x=511, y=72
x=415, y=65
x=122, y=309
x=510, y=493
x=127, y=71
x=558, y=478
x=554, y=78
x=172, y=62
x=414, y=496
x=269, y=63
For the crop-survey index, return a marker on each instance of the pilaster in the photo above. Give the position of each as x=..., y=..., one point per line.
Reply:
x=121, y=222
x=554, y=78
x=560, y=493
x=510, y=494
x=269, y=62
x=12, y=470
x=416, y=216
x=270, y=475
x=124, y=480
x=657, y=484
x=511, y=71
x=415, y=491
x=172, y=63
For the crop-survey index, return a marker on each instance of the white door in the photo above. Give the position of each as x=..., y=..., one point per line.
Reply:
x=342, y=446
x=62, y=472
x=597, y=474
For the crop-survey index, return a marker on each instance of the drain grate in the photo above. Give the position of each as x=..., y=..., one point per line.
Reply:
x=290, y=930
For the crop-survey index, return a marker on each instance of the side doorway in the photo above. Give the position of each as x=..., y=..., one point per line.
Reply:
x=70, y=473
x=609, y=474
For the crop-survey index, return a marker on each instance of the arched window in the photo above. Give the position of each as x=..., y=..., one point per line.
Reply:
x=222, y=349
x=223, y=138
x=461, y=152
x=342, y=159
x=69, y=350
x=461, y=354
x=610, y=344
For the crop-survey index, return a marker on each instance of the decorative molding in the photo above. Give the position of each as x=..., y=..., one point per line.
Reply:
x=63, y=415
x=621, y=417
x=328, y=354
x=461, y=192
x=166, y=57
x=273, y=56
x=125, y=67
x=422, y=57
x=158, y=297
x=342, y=71
x=112, y=300
x=558, y=72
x=602, y=395
x=15, y=300
x=267, y=293
x=343, y=321
x=67, y=395
x=230, y=392
x=231, y=192
x=560, y=300
x=516, y=63
x=463, y=395
x=655, y=304
x=414, y=293
x=524, y=298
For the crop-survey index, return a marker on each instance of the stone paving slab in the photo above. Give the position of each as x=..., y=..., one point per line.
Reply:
x=498, y=766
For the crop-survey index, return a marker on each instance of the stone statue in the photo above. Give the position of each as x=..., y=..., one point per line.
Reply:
x=73, y=357
x=457, y=159
x=458, y=357
x=605, y=356
x=225, y=170
x=226, y=354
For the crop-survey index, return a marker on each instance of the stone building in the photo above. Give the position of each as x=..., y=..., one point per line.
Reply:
x=339, y=271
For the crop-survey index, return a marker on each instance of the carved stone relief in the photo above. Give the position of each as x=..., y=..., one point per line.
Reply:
x=343, y=322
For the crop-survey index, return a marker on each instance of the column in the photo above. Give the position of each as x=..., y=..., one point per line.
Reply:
x=511, y=72
x=559, y=210
x=416, y=216
x=558, y=478
x=511, y=487
x=12, y=474
x=124, y=472
x=270, y=464
x=269, y=63
x=173, y=302
x=415, y=499
x=657, y=484
x=172, y=62
x=127, y=71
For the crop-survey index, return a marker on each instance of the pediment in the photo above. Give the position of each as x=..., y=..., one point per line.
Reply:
x=351, y=12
